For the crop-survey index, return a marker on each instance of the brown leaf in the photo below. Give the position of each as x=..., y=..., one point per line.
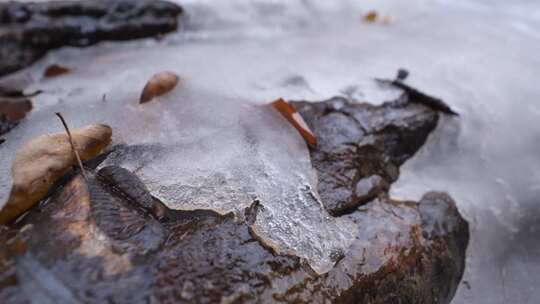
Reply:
x=55, y=70
x=290, y=113
x=15, y=109
x=159, y=84
x=43, y=160
x=370, y=17
x=12, y=110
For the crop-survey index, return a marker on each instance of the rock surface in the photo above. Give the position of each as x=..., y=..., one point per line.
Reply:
x=362, y=146
x=29, y=30
x=96, y=243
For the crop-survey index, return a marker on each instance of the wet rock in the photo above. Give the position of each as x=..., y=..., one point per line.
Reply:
x=368, y=187
x=415, y=95
x=8, y=276
x=128, y=184
x=29, y=30
x=91, y=243
x=362, y=146
x=389, y=261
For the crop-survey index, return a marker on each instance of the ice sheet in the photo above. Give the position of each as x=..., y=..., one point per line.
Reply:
x=195, y=148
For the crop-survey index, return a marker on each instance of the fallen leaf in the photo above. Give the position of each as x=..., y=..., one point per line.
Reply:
x=55, y=70
x=12, y=110
x=370, y=17
x=159, y=84
x=290, y=113
x=43, y=160
x=15, y=109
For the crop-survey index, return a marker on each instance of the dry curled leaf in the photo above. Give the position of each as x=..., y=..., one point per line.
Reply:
x=370, y=17
x=55, y=70
x=290, y=113
x=43, y=160
x=159, y=84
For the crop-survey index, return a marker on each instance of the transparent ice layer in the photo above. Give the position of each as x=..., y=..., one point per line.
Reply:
x=197, y=149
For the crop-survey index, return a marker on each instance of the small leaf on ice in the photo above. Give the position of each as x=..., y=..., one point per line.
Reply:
x=290, y=113
x=370, y=17
x=55, y=70
x=161, y=83
x=43, y=160
x=15, y=109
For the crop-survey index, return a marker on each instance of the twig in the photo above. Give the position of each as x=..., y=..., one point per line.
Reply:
x=419, y=97
x=72, y=145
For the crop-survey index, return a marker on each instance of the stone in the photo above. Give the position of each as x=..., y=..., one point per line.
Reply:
x=404, y=251
x=362, y=146
x=29, y=30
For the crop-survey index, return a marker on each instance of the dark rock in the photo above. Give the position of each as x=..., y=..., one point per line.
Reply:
x=402, y=74
x=414, y=95
x=127, y=183
x=91, y=243
x=426, y=271
x=368, y=187
x=358, y=142
x=6, y=124
x=29, y=30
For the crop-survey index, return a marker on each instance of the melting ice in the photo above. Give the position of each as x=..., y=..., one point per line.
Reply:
x=196, y=148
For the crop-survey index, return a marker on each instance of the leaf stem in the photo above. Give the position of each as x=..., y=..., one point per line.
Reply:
x=83, y=172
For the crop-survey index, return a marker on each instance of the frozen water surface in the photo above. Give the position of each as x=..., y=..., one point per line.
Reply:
x=196, y=148
x=479, y=56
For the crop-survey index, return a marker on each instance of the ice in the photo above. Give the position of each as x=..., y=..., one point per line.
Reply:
x=195, y=148
x=207, y=152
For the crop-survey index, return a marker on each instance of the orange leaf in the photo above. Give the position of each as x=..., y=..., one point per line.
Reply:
x=159, y=84
x=290, y=113
x=55, y=70
x=370, y=17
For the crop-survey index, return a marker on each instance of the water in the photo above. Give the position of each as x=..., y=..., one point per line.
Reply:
x=479, y=56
